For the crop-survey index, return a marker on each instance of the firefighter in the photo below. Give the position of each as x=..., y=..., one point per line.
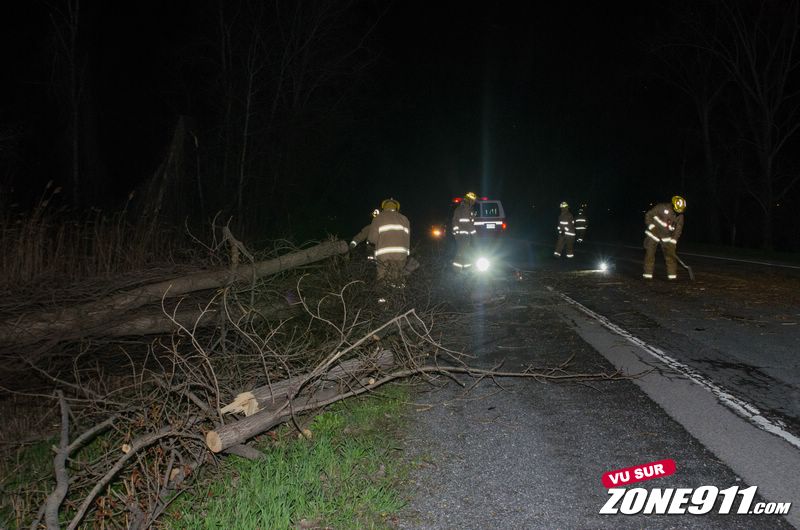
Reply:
x=390, y=232
x=362, y=236
x=581, y=224
x=464, y=231
x=566, y=232
x=664, y=223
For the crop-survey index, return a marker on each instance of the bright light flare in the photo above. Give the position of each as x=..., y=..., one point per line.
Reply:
x=603, y=266
x=436, y=232
x=482, y=264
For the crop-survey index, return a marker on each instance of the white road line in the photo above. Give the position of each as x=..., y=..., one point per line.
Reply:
x=739, y=260
x=709, y=256
x=740, y=407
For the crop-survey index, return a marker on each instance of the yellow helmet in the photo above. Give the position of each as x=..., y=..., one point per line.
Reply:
x=470, y=195
x=375, y=212
x=563, y=204
x=390, y=204
x=678, y=203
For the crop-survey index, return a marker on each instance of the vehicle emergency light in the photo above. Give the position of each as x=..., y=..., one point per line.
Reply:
x=459, y=199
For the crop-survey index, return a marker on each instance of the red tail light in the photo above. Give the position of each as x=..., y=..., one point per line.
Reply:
x=504, y=226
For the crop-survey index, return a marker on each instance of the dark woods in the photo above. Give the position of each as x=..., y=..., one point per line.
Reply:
x=288, y=116
x=736, y=65
x=244, y=107
x=281, y=113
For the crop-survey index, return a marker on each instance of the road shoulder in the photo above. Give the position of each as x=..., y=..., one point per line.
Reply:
x=526, y=454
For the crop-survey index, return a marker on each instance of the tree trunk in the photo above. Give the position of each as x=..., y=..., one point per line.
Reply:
x=768, y=199
x=240, y=431
x=156, y=324
x=274, y=396
x=72, y=322
x=712, y=208
x=766, y=227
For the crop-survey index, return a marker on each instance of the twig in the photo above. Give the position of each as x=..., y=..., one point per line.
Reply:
x=138, y=444
x=56, y=497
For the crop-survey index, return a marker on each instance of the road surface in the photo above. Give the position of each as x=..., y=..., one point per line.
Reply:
x=720, y=396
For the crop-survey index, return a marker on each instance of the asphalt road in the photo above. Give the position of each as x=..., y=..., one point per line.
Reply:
x=531, y=454
x=738, y=323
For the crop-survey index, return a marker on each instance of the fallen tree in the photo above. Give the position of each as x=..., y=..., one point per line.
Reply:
x=273, y=397
x=167, y=419
x=270, y=405
x=157, y=324
x=110, y=313
x=239, y=432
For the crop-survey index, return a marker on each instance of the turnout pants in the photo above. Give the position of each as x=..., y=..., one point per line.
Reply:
x=462, y=258
x=668, y=249
x=569, y=241
x=390, y=271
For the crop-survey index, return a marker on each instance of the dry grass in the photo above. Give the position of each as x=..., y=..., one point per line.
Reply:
x=48, y=245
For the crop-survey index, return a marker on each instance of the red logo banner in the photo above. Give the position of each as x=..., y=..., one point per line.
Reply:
x=629, y=475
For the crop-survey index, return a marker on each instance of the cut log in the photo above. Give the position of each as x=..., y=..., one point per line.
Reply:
x=274, y=396
x=240, y=431
x=78, y=321
x=338, y=381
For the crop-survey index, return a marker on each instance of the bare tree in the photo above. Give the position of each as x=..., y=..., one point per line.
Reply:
x=696, y=72
x=254, y=65
x=66, y=26
x=285, y=71
x=758, y=47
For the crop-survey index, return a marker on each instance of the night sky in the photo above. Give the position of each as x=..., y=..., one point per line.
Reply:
x=530, y=103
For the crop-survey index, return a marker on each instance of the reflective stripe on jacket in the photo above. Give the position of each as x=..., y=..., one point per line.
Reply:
x=581, y=222
x=390, y=231
x=663, y=224
x=464, y=220
x=566, y=224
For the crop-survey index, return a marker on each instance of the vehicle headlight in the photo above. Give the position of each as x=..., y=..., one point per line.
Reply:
x=482, y=264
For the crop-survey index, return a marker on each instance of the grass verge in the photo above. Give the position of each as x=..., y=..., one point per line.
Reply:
x=347, y=475
x=30, y=464
x=26, y=478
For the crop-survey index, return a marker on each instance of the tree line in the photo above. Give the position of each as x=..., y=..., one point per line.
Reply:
x=264, y=95
x=736, y=65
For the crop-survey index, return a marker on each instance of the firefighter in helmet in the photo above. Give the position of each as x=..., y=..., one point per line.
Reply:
x=566, y=232
x=390, y=233
x=581, y=224
x=464, y=230
x=362, y=236
x=664, y=223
